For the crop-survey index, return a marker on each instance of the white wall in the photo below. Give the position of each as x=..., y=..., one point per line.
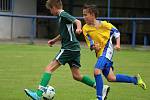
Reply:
x=21, y=27
x=5, y=27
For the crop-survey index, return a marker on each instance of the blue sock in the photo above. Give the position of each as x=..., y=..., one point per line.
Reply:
x=125, y=79
x=99, y=86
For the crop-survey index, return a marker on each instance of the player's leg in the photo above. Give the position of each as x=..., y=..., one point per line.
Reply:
x=137, y=80
x=47, y=76
x=44, y=81
x=111, y=77
x=84, y=79
x=74, y=64
x=88, y=81
x=59, y=59
x=99, y=67
x=99, y=83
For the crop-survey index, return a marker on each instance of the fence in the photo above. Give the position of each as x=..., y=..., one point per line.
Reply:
x=34, y=17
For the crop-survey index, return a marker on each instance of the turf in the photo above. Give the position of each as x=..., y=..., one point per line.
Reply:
x=21, y=66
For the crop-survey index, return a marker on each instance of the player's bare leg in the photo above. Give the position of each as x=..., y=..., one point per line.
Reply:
x=137, y=80
x=45, y=80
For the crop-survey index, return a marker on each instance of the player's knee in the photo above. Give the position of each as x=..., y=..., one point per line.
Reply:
x=111, y=78
x=97, y=72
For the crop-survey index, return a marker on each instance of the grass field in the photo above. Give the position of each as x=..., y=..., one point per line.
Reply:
x=21, y=66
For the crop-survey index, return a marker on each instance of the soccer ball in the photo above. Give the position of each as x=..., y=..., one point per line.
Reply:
x=49, y=93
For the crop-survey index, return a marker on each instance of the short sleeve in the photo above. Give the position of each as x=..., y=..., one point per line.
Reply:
x=86, y=36
x=68, y=16
x=115, y=32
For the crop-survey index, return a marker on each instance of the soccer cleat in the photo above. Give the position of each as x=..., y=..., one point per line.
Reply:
x=32, y=94
x=106, y=89
x=140, y=82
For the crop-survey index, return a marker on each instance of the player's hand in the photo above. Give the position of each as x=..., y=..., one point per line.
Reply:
x=78, y=31
x=117, y=47
x=96, y=47
x=51, y=42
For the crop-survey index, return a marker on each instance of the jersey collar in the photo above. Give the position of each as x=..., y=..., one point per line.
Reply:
x=60, y=12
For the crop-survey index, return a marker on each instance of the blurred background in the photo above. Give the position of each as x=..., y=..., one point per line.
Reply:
x=24, y=22
x=132, y=31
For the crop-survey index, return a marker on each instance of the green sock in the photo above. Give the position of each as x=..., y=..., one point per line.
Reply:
x=86, y=80
x=45, y=80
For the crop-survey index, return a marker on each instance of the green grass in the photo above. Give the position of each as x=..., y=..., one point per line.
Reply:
x=21, y=66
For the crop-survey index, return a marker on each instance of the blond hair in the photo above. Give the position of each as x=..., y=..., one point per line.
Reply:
x=54, y=3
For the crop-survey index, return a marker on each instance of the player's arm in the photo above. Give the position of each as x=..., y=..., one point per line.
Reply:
x=79, y=25
x=72, y=19
x=117, y=46
x=88, y=39
x=93, y=45
x=91, y=42
x=117, y=37
x=52, y=41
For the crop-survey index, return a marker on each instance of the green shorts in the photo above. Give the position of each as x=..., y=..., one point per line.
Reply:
x=70, y=57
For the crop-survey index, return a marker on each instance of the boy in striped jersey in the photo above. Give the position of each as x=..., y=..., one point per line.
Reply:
x=98, y=35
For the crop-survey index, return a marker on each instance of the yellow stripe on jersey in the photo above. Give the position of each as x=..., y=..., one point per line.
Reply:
x=99, y=35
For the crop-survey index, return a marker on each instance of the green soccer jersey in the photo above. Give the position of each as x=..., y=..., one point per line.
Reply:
x=66, y=31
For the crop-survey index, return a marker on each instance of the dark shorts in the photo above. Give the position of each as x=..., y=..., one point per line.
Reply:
x=104, y=64
x=70, y=57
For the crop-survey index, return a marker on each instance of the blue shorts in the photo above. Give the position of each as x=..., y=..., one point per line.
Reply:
x=104, y=64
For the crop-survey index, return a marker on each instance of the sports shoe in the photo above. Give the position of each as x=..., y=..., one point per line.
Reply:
x=106, y=89
x=140, y=82
x=32, y=94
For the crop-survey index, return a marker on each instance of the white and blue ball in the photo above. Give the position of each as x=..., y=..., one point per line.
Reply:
x=49, y=93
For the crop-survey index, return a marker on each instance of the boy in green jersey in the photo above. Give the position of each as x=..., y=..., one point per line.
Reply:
x=69, y=52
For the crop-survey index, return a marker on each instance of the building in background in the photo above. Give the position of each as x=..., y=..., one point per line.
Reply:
x=15, y=27
x=47, y=28
x=118, y=8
